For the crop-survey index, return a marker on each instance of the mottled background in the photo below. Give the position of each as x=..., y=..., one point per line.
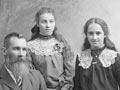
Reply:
x=18, y=15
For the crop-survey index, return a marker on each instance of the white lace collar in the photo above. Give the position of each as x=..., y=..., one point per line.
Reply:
x=45, y=47
x=107, y=57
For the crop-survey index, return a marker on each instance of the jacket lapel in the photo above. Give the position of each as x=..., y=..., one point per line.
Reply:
x=26, y=83
x=7, y=80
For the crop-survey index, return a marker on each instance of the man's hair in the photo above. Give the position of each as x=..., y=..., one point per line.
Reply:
x=9, y=36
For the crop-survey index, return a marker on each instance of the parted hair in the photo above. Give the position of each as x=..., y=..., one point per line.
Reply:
x=108, y=43
x=9, y=36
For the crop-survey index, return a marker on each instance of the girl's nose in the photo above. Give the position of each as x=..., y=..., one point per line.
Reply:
x=48, y=24
x=94, y=36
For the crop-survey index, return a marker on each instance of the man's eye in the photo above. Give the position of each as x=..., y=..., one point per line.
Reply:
x=24, y=49
x=16, y=48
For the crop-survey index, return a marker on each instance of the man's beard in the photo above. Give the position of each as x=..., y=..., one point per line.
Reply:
x=20, y=69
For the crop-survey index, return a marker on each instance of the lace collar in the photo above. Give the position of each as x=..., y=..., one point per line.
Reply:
x=107, y=57
x=45, y=47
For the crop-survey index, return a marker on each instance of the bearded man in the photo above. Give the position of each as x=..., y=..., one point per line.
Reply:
x=15, y=73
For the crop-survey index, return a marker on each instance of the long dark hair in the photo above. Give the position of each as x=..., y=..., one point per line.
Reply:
x=108, y=43
x=36, y=30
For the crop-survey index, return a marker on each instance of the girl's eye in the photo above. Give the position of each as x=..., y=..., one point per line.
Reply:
x=51, y=21
x=98, y=33
x=43, y=21
x=90, y=33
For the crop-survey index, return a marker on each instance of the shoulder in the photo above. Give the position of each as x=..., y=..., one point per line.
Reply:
x=107, y=57
x=65, y=43
x=84, y=54
x=109, y=54
x=32, y=42
x=36, y=76
x=85, y=58
x=106, y=50
x=35, y=73
x=61, y=39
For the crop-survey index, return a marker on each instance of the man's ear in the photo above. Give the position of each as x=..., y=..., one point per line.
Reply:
x=4, y=50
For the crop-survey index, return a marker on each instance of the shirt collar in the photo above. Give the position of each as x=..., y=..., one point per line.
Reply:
x=11, y=74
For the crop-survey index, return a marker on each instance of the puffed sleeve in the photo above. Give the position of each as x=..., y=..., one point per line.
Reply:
x=116, y=69
x=68, y=67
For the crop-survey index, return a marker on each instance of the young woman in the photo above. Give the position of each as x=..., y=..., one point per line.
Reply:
x=98, y=65
x=50, y=53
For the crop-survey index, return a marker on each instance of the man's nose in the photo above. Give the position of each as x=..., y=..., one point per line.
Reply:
x=21, y=53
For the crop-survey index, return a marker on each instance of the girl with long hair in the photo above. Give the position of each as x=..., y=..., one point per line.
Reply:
x=98, y=65
x=50, y=52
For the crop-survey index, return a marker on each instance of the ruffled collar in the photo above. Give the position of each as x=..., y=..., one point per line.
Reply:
x=45, y=47
x=106, y=57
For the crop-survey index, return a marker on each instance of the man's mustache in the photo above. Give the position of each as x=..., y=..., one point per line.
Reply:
x=20, y=60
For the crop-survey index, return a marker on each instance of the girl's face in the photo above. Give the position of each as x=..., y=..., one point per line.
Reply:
x=46, y=24
x=95, y=35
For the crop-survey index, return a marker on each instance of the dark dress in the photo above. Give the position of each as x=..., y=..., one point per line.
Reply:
x=97, y=70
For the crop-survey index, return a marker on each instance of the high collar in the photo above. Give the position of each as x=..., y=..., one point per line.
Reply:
x=97, y=51
x=46, y=37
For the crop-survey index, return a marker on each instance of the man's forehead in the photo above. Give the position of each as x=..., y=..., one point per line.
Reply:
x=16, y=38
x=17, y=41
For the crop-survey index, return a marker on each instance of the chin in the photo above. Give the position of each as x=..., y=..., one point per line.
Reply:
x=49, y=34
x=95, y=47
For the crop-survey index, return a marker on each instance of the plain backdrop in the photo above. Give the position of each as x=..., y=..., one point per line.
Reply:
x=18, y=15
